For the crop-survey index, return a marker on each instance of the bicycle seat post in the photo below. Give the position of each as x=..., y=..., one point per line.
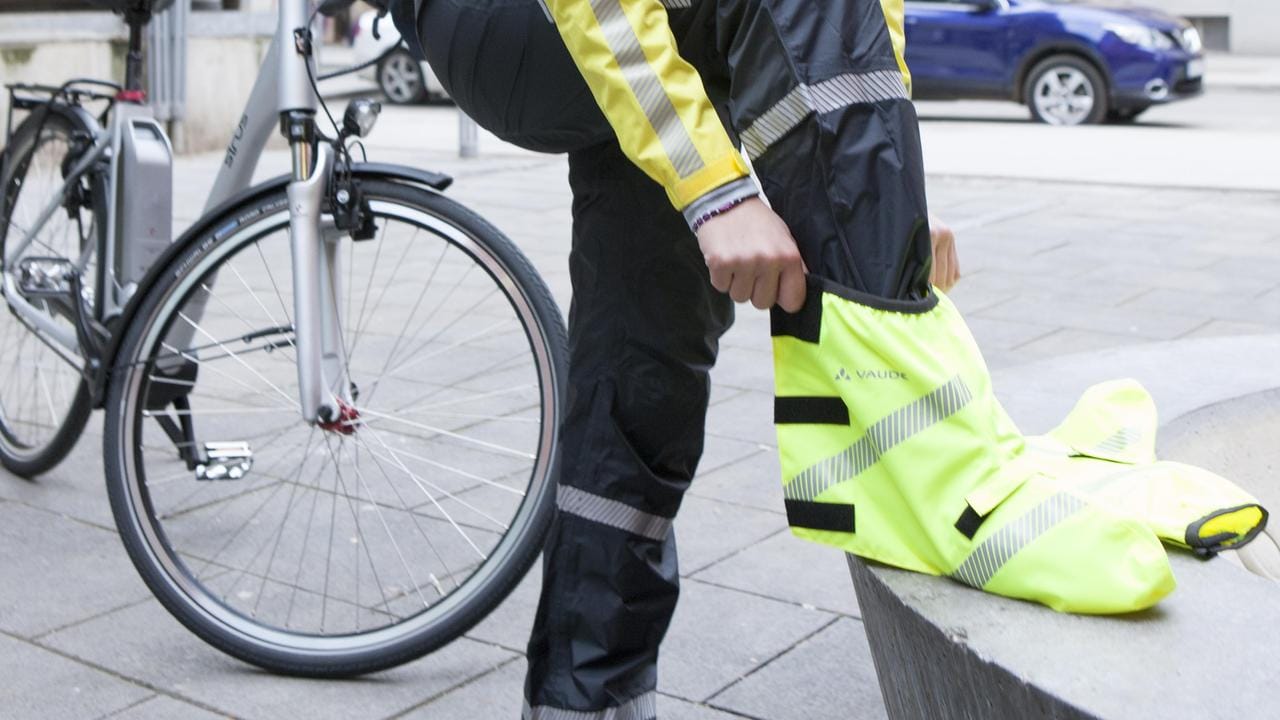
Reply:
x=136, y=19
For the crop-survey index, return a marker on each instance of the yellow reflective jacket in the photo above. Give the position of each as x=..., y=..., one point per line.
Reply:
x=653, y=98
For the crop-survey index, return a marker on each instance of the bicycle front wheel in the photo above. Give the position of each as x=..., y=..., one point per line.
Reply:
x=338, y=550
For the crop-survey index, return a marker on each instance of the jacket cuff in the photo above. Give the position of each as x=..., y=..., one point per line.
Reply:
x=726, y=168
x=732, y=192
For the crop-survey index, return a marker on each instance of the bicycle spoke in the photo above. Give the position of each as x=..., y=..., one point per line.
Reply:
x=457, y=436
x=412, y=313
x=418, y=481
x=417, y=522
x=368, y=285
x=373, y=312
x=383, y=524
x=390, y=536
x=361, y=543
x=280, y=532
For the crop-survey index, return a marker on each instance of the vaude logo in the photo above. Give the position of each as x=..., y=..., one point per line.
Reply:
x=871, y=375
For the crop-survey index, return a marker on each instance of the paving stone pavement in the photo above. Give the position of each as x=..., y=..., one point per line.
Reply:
x=767, y=627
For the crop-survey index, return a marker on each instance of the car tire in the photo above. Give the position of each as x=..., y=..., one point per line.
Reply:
x=1125, y=116
x=400, y=78
x=1066, y=90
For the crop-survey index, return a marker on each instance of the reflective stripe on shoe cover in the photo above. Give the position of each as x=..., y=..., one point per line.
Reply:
x=641, y=707
x=826, y=96
x=989, y=557
x=891, y=430
x=611, y=512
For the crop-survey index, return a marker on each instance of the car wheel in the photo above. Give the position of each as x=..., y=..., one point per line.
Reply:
x=1066, y=90
x=400, y=78
x=1124, y=116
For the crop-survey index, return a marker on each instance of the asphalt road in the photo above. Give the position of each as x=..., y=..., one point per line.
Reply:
x=1219, y=140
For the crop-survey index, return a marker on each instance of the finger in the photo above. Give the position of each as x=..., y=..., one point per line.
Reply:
x=791, y=288
x=720, y=279
x=741, y=287
x=765, y=293
x=952, y=272
x=941, y=271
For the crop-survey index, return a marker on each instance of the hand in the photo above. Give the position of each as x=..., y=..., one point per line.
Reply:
x=752, y=256
x=946, y=262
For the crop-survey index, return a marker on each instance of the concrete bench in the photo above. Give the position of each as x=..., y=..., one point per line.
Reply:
x=1209, y=650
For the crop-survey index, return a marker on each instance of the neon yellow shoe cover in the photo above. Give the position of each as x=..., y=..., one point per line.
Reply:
x=894, y=448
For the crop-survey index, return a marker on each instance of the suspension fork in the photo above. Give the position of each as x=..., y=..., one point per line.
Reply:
x=323, y=387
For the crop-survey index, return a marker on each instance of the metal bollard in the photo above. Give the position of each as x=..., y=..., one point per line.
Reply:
x=468, y=136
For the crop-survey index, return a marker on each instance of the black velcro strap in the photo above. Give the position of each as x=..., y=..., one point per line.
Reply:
x=805, y=325
x=969, y=522
x=820, y=516
x=816, y=410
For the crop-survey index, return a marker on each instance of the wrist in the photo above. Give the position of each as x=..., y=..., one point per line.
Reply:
x=719, y=201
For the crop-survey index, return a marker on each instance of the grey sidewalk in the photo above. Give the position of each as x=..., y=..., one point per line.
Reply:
x=767, y=626
x=1254, y=72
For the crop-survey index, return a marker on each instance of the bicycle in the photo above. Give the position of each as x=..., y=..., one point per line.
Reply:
x=331, y=404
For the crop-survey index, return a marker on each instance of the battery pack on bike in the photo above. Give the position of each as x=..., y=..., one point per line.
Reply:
x=144, y=225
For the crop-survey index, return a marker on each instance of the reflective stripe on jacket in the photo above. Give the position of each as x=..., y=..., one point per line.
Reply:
x=653, y=98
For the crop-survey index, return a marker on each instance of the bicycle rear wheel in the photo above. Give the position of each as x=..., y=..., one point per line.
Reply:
x=339, y=551
x=44, y=401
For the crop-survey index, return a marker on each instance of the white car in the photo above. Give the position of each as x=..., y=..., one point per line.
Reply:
x=402, y=78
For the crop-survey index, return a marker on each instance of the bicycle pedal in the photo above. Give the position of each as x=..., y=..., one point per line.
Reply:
x=45, y=277
x=225, y=461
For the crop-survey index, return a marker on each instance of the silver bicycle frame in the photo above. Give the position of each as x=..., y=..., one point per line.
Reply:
x=283, y=85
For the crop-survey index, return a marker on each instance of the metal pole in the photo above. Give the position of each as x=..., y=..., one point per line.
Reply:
x=167, y=68
x=468, y=136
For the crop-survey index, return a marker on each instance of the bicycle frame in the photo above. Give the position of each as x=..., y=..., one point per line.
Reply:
x=282, y=96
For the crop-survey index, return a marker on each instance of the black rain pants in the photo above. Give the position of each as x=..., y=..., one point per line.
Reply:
x=809, y=88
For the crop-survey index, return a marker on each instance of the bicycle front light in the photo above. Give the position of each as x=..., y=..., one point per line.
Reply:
x=361, y=114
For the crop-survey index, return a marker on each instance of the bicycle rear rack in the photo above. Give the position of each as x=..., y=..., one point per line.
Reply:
x=31, y=96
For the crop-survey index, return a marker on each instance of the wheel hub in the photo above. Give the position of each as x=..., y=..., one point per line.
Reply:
x=346, y=421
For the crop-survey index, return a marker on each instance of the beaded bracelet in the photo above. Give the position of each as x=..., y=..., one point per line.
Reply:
x=703, y=218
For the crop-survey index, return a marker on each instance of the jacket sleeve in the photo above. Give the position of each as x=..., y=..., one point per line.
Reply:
x=653, y=98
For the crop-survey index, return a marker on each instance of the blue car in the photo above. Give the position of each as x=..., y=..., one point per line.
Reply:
x=1072, y=62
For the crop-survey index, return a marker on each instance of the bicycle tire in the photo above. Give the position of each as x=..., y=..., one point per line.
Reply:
x=143, y=535
x=16, y=456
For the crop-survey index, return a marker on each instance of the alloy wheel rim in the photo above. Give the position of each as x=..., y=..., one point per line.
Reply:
x=1064, y=95
x=401, y=78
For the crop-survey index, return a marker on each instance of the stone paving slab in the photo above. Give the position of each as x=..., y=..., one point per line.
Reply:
x=75, y=488
x=750, y=482
x=163, y=707
x=829, y=676
x=58, y=571
x=39, y=684
x=707, y=531
x=508, y=626
x=740, y=417
x=719, y=635
x=144, y=644
x=785, y=568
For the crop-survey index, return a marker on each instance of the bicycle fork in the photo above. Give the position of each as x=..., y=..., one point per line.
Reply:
x=324, y=388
